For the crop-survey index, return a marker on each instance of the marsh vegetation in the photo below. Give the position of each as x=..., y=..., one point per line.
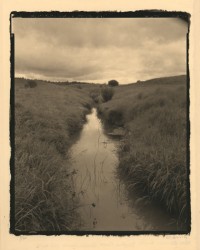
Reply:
x=47, y=120
x=150, y=156
x=153, y=154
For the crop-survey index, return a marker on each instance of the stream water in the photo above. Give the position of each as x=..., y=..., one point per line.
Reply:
x=103, y=201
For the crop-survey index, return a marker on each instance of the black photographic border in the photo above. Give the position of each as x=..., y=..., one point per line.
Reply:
x=92, y=14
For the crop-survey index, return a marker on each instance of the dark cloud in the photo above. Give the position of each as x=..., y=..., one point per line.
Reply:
x=100, y=49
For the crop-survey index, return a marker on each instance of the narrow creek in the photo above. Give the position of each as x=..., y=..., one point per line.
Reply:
x=103, y=201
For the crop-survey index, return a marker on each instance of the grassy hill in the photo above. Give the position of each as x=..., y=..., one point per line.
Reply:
x=153, y=154
x=47, y=118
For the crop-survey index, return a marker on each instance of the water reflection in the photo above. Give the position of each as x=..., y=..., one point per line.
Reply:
x=104, y=203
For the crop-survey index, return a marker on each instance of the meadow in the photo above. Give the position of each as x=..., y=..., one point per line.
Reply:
x=48, y=119
x=153, y=153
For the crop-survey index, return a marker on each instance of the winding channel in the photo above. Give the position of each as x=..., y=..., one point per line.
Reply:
x=104, y=203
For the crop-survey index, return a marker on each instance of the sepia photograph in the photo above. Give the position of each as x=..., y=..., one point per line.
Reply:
x=99, y=123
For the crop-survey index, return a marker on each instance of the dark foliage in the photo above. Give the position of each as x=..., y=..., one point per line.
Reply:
x=30, y=84
x=107, y=93
x=113, y=83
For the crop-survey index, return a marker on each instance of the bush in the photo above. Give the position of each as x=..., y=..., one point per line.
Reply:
x=115, y=118
x=113, y=83
x=107, y=93
x=30, y=84
x=95, y=96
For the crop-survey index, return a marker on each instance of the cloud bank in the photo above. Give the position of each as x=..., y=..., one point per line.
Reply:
x=100, y=49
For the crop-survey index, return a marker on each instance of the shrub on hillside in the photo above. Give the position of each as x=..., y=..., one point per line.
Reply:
x=113, y=83
x=95, y=95
x=30, y=84
x=115, y=118
x=107, y=93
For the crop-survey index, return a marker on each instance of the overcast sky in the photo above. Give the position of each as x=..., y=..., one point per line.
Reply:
x=99, y=49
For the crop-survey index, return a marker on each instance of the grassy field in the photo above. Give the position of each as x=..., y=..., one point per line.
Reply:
x=47, y=119
x=153, y=153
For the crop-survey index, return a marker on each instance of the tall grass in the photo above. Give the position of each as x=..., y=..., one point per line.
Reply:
x=47, y=119
x=153, y=154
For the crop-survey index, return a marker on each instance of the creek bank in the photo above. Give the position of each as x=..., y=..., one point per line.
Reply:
x=51, y=116
x=142, y=168
x=100, y=196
